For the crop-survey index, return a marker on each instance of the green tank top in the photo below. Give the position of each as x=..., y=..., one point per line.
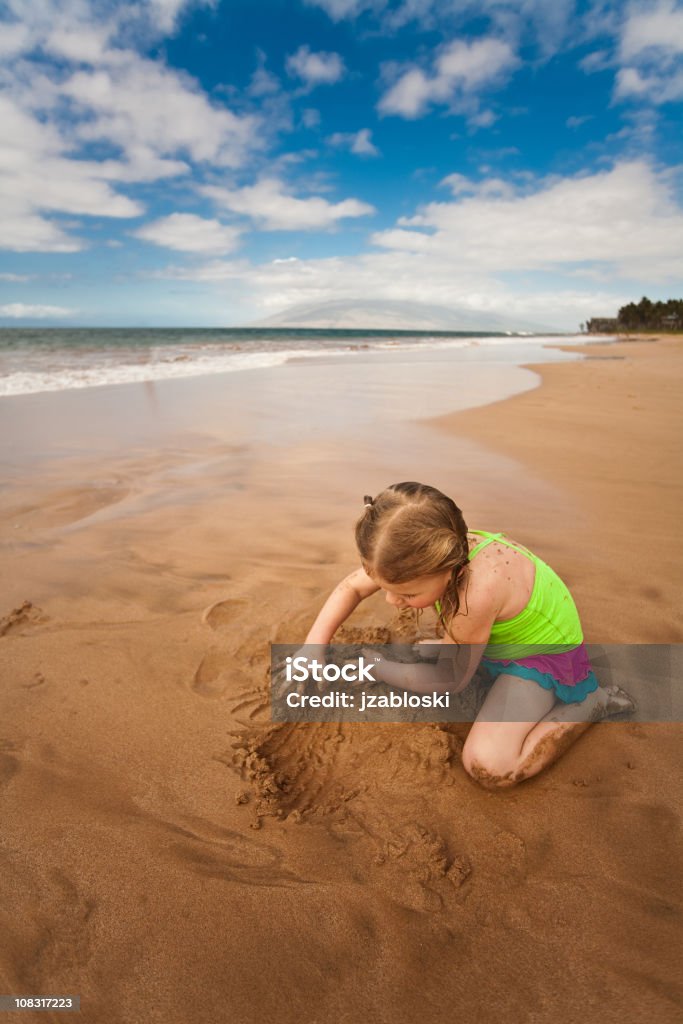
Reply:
x=549, y=624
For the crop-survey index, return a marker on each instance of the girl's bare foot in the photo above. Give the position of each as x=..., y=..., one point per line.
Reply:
x=615, y=701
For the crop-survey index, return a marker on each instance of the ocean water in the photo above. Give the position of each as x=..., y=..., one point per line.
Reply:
x=34, y=360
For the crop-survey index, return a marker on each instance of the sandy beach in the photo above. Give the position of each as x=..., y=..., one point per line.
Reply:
x=172, y=856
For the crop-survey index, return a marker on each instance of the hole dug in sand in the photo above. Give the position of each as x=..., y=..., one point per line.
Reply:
x=345, y=777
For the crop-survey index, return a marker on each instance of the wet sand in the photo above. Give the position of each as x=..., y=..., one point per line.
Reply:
x=170, y=855
x=607, y=429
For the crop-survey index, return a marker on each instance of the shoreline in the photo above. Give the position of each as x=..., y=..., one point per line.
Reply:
x=177, y=356
x=259, y=405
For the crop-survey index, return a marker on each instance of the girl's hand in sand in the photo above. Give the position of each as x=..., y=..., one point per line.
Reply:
x=427, y=650
x=310, y=652
x=376, y=662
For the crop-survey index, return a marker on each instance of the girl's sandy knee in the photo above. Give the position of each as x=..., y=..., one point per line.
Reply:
x=487, y=771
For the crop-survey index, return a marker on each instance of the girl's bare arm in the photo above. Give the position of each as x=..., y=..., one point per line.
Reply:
x=450, y=674
x=345, y=597
x=460, y=652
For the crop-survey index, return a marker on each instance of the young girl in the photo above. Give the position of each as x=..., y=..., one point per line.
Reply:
x=513, y=612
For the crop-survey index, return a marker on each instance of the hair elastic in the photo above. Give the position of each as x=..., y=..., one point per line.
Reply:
x=367, y=498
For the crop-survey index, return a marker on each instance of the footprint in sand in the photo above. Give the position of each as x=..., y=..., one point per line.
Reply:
x=224, y=853
x=222, y=613
x=26, y=615
x=212, y=678
x=37, y=679
x=218, y=675
x=507, y=856
x=219, y=678
x=9, y=764
x=427, y=874
x=68, y=944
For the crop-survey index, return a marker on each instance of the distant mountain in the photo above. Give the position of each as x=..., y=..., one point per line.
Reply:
x=396, y=316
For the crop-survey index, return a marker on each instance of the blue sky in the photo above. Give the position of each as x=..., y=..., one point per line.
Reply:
x=183, y=162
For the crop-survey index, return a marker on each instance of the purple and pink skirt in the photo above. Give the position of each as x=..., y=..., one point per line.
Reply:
x=570, y=674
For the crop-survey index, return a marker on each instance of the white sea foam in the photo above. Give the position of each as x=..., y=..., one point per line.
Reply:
x=59, y=368
x=69, y=377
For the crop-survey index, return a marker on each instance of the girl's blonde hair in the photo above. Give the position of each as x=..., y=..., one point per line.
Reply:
x=411, y=530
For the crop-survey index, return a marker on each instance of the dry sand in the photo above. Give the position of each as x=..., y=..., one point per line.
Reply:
x=171, y=856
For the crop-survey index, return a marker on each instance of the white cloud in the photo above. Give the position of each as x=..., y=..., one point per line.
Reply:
x=310, y=117
x=359, y=142
x=339, y=9
x=473, y=64
x=274, y=209
x=650, y=54
x=14, y=38
x=166, y=12
x=36, y=178
x=638, y=134
x=623, y=223
x=175, y=117
x=630, y=82
x=541, y=22
x=273, y=287
x=189, y=233
x=23, y=230
x=656, y=88
x=460, y=185
x=39, y=176
x=460, y=71
x=315, y=68
x=409, y=96
x=484, y=119
x=263, y=83
x=83, y=45
x=15, y=278
x=20, y=311
x=660, y=27
x=94, y=90
x=626, y=217
x=83, y=30
x=575, y=121
x=599, y=60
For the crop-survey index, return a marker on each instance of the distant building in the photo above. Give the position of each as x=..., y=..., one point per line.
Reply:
x=644, y=316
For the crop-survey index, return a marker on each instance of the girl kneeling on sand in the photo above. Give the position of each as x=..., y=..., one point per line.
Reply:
x=497, y=598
